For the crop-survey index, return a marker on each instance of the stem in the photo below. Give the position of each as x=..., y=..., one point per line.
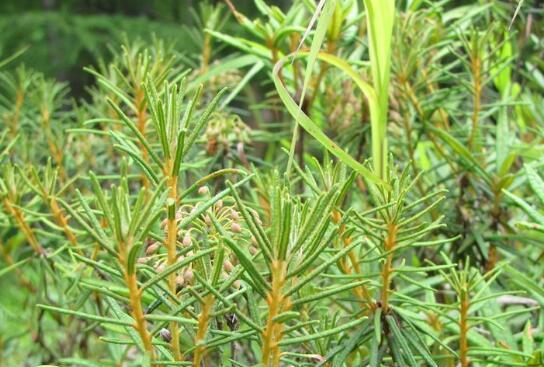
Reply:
x=141, y=117
x=135, y=298
x=463, y=330
x=206, y=52
x=277, y=304
x=203, y=322
x=389, y=245
x=239, y=17
x=476, y=76
x=20, y=276
x=417, y=105
x=14, y=120
x=361, y=291
x=409, y=141
x=56, y=153
x=137, y=312
x=171, y=243
x=23, y=226
x=432, y=90
x=62, y=221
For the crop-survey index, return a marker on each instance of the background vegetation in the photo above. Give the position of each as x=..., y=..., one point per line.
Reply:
x=294, y=183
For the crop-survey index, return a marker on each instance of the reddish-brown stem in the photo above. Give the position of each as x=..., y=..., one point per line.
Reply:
x=463, y=331
x=138, y=313
x=360, y=292
x=20, y=220
x=141, y=117
x=20, y=276
x=277, y=304
x=203, y=322
x=14, y=120
x=171, y=244
x=135, y=298
x=206, y=51
x=62, y=221
x=476, y=76
x=389, y=245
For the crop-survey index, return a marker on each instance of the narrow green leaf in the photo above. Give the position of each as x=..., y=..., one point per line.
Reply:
x=85, y=315
x=14, y=266
x=323, y=334
x=132, y=257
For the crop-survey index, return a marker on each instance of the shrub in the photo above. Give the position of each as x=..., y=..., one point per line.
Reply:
x=356, y=191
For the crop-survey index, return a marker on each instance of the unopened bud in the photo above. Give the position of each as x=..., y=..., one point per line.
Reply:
x=395, y=116
x=236, y=284
x=227, y=265
x=203, y=190
x=151, y=249
x=188, y=275
x=234, y=215
x=235, y=227
x=165, y=335
x=252, y=250
x=187, y=240
x=180, y=280
x=160, y=268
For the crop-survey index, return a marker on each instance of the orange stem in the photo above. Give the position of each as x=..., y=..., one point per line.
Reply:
x=387, y=270
x=277, y=304
x=203, y=322
x=463, y=331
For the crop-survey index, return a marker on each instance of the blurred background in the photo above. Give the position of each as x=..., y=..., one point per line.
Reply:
x=63, y=36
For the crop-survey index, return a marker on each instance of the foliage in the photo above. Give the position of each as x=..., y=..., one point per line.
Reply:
x=336, y=183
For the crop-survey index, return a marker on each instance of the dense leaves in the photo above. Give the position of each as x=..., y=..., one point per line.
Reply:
x=349, y=183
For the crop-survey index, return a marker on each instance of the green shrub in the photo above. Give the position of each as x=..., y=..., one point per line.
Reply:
x=350, y=185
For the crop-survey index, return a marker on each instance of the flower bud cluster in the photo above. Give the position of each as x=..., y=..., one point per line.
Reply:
x=225, y=130
x=190, y=239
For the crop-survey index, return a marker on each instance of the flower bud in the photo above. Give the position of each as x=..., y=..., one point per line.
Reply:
x=151, y=249
x=165, y=335
x=188, y=275
x=187, y=240
x=180, y=280
x=395, y=116
x=203, y=190
x=235, y=227
x=160, y=268
x=227, y=265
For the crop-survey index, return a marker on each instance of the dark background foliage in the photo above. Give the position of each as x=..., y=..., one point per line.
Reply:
x=63, y=36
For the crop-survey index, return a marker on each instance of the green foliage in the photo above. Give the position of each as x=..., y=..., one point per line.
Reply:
x=334, y=183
